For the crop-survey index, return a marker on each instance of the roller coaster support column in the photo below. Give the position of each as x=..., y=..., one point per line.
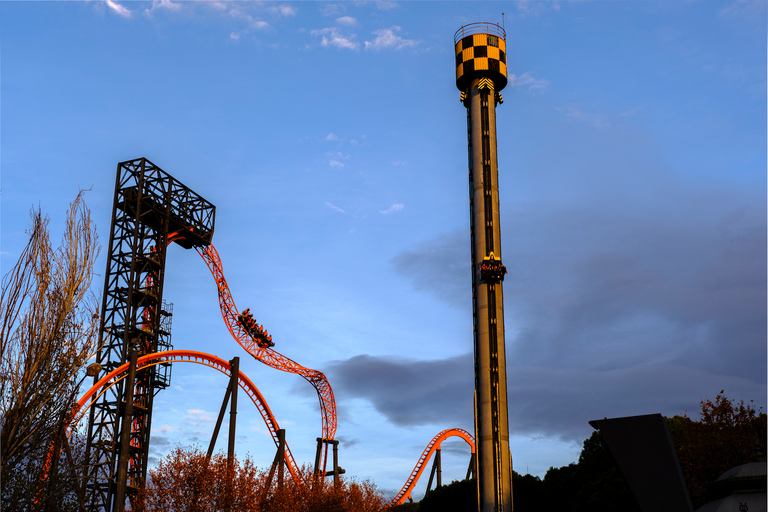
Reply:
x=233, y=384
x=322, y=444
x=436, y=468
x=481, y=72
x=125, y=437
x=231, y=391
x=279, y=462
x=471, y=467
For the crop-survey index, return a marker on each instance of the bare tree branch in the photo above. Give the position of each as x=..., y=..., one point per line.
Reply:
x=48, y=331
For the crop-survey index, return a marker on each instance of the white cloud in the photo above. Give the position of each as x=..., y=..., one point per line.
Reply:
x=397, y=207
x=235, y=12
x=164, y=429
x=198, y=415
x=335, y=163
x=118, y=9
x=331, y=136
x=285, y=10
x=332, y=9
x=386, y=5
x=346, y=20
x=165, y=4
x=632, y=111
x=745, y=8
x=594, y=120
x=332, y=37
x=386, y=38
x=234, y=35
x=334, y=207
x=527, y=80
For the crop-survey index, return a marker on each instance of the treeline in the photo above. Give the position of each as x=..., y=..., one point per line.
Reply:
x=728, y=434
x=186, y=480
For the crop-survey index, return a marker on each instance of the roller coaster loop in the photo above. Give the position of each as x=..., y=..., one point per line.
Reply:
x=433, y=445
x=189, y=356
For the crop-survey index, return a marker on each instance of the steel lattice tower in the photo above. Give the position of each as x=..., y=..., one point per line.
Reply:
x=149, y=205
x=481, y=72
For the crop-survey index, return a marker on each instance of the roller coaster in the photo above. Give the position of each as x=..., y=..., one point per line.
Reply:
x=146, y=199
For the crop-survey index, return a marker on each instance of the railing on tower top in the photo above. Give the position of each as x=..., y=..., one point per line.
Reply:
x=479, y=28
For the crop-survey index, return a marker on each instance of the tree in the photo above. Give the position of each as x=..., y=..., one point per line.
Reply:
x=528, y=492
x=727, y=435
x=459, y=495
x=48, y=331
x=594, y=484
x=185, y=481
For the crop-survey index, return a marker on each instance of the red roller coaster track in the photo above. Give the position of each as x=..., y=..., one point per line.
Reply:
x=260, y=350
x=433, y=445
x=189, y=356
x=266, y=355
x=255, y=343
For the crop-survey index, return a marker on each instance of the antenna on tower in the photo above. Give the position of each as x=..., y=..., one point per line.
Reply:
x=502, y=22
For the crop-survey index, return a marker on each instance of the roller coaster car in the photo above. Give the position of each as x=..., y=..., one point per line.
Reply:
x=492, y=270
x=254, y=330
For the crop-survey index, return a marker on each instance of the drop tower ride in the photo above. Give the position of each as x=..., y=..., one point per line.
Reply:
x=481, y=72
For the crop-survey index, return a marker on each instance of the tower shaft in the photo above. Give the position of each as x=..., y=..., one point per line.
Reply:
x=480, y=74
x=492, y=430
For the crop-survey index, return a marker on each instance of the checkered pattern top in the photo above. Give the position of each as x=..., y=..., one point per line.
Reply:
x=478, y=56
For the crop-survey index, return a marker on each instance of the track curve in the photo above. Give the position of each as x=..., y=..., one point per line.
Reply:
x=259, y=347
x=266, y=355
x=433, y=445
x=261, y=352
x=190, y=356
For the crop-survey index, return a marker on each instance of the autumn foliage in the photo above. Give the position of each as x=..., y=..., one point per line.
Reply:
x=728, y=434
x=185, y=482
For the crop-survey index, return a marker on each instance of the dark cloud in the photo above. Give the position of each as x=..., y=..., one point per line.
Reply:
x=440, y=266
x=543, y=401
x=632, y=291
x=630, y=298
x=456, y=446
x=348, y=441
x=409, y=392
x=161, y=442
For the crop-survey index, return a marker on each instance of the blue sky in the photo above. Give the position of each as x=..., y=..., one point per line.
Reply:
x=330, y=137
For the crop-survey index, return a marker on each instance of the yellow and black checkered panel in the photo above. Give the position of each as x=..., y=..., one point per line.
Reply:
x=481, y=55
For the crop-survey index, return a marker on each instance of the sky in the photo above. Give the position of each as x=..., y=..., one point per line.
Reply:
x=331, y=139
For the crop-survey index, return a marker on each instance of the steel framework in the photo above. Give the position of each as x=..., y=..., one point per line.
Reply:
x=149, y=205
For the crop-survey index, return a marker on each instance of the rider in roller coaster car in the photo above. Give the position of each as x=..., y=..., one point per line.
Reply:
x=257, y=332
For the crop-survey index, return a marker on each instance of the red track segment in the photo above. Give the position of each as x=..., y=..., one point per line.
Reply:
x=433, y=445
x=189, y=356
x=266, y=355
